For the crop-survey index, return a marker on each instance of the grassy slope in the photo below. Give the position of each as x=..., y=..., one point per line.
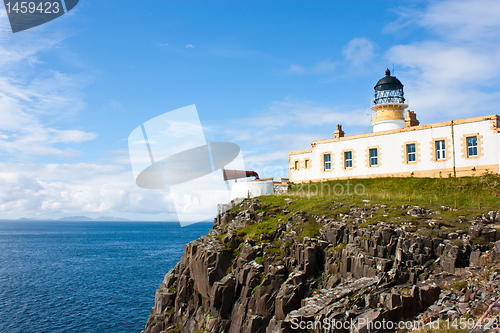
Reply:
x=467, y=197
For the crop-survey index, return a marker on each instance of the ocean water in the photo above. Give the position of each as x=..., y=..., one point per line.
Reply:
x=85, y=276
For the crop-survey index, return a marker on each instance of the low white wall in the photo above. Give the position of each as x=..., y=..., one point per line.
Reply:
x=251, y=189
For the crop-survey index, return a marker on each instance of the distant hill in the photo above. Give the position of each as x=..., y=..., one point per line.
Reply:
x=110, y=219
x=76, y=218
x=99, y=219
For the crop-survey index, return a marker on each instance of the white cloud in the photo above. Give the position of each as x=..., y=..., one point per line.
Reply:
x=190, y=46
x=29, y=102
x=406, y=18
x=290, y=112
x=59, y=190
x=24, y=133
x=456, y=73
x=359, y=51
x=464, y=20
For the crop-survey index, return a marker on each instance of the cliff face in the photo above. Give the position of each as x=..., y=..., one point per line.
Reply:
x=269, y=281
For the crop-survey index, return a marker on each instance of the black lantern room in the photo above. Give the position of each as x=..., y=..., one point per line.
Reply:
x=388, y=90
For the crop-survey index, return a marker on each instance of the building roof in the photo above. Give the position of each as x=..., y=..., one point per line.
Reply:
x=388, y=82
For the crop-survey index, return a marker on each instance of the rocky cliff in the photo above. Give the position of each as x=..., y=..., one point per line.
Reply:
x=258, y=271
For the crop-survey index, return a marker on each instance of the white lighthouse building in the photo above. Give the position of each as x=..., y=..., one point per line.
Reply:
x=399, y=146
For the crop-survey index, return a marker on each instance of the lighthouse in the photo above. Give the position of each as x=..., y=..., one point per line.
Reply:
x=389, y=104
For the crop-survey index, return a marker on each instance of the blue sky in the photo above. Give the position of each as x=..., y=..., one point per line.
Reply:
x=270, y=76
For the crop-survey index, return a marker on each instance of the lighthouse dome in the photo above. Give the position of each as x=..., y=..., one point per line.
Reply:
x=388, y=90
x=388, y=82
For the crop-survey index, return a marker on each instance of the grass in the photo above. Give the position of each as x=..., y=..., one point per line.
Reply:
x=465, y=197
x=459, y=285
x=465, y=192
x=308, y=229
x=339, y=247
x=429, y=262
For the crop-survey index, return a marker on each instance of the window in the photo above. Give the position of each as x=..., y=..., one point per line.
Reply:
x=327, y=158
x=471, y=146
x=411, y=153
x=440, y=150
x=347, y=159
x=296, y=165
x=373, y=157
x=306, y=164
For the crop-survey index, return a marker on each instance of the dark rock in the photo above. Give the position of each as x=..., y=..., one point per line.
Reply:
x=428, y=294
x=221, y=299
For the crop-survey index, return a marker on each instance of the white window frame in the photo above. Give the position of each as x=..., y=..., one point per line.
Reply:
x=471, y=147
x=327, y=164
x=440, y=150
x=373, y=158
x=411, y=155
x=347, y=160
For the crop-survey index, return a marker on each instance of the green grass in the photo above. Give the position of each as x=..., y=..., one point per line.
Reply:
x=273, y=250
x=459, y=285
x=465, y=192
x=429, y=262
x=467, y=198
x=339, y=247
x=308, y=229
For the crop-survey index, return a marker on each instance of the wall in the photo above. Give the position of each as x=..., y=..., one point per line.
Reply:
x=392, y=152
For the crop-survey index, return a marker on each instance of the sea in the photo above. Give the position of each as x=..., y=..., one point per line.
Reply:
x=85, y=276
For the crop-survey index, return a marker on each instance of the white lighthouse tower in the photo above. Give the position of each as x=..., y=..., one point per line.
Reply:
x=389, y=104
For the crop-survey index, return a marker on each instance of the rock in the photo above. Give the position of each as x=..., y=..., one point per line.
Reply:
x=475, y=231
x=255, y=324
x=416, y=211
x=497, y=246
x=390, y=300
x=362, y=323
x=222, y=296
x=262, y=302
x=428, y=294
x=289, y=298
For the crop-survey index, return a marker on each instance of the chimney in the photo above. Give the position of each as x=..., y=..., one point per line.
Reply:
x=339, y=133
x=411, y=119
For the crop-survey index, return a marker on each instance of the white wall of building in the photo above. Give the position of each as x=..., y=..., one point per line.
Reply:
x=392, y=154
x=251, y=189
